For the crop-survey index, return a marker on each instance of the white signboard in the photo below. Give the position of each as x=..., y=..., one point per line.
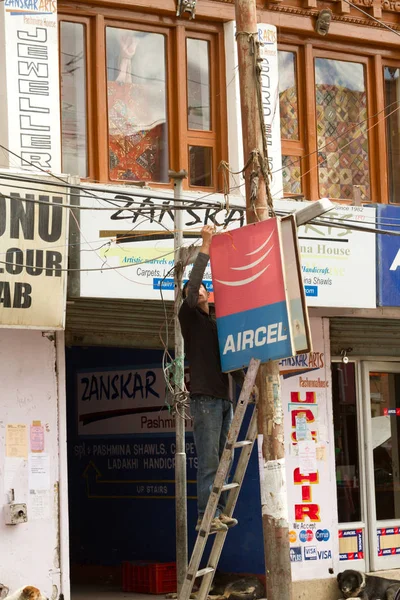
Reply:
x=125, y=401
x=132, y=247
x=33, y=255
x=140, y=255
x=339, y=263
x=267, y=36
x=31, y=46
x=310, y=461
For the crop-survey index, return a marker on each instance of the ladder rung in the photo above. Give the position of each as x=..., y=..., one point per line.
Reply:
x=205, y=571
x=243, y=443
x=229, y=486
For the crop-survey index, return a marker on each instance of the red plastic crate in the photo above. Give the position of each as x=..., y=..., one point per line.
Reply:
x=149, y=577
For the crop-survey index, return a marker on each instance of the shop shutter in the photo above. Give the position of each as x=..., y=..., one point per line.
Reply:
x=120, y=323
x=366, y=337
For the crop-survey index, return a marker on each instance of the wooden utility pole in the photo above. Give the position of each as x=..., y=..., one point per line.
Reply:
x=270, y=412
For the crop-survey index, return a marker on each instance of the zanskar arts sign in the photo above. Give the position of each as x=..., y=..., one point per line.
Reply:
x=33, y=251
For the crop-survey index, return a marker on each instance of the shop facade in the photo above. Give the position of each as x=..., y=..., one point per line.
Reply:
x=141, y=91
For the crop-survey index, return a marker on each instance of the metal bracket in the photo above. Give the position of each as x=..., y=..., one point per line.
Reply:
x=343, y=354
x=186, y=6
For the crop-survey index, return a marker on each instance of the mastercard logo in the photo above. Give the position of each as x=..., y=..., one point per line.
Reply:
x=292, y=537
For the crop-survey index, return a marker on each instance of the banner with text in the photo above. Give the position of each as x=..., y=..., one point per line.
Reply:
x=126, y=401
x=137, y=241
x=134, y=246
x=33, y=255
x=310, y=466
x=333, y=256
x=32, y=83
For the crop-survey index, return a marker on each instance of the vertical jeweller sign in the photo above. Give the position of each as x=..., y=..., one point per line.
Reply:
x=32, y=83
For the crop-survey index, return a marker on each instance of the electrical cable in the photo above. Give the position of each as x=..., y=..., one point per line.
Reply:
x=103, y=208
x=180, y=397
x=338, y=137
x=317, y=221
x=91, y=194
x=128, y=196
x=192, y=200
x=184, y=199
x=321, y=223
x=344, y=146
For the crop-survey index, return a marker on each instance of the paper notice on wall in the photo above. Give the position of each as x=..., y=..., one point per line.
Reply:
x=14, y=473
x=37, y=437
x=321, y=452
x=39, y=471
x=39, y=505
x=307, y=457
x=272, y=484
x=16, y=441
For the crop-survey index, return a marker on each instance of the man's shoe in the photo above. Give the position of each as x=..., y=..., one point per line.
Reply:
x=228, y=521
x=216, y=525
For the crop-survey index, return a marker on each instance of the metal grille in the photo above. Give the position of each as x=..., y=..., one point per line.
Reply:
x=103, y=322
x=366, y=337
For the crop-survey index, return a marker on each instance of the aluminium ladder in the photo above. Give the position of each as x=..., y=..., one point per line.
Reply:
x=220, y=486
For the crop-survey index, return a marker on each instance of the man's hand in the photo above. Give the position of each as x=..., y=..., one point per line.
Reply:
x=206, y=233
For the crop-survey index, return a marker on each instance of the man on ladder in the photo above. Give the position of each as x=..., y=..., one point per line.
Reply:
x=210, y=403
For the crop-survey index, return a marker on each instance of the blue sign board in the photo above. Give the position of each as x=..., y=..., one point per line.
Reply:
x=388, y=256
x=122, y=483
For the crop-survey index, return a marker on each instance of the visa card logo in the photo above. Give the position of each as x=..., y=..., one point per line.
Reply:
x=310, y=553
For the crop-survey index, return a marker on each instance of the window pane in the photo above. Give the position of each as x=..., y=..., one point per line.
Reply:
x=385, y=405
x=291, y=174
x=288, y=96
x=341, y=101
x=200, y=166
x=392, y=98
x=73, y=99
x=198, y=84
x=137, y=113
x=345, y=420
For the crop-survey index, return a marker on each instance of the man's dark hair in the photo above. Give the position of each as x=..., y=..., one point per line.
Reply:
x=184, y=289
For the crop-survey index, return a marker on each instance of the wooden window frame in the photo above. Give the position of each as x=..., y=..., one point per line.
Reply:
x=366, y=61
x=380, y=64
x=198, y=137
x=306, y=147
x=374, y=63
x=85, y=22
x=297, y=147
x=179, y=136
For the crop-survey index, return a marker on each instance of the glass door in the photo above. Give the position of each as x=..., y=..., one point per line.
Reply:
x=350, y=466
x=381, y=383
